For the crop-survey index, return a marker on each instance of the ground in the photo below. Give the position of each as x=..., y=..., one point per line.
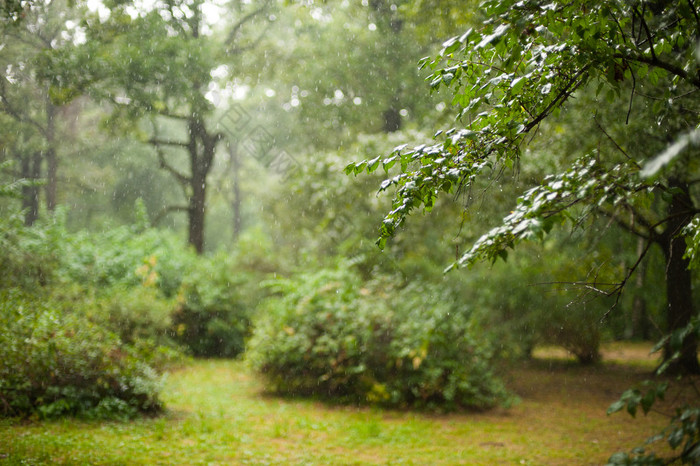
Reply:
x=218, y=414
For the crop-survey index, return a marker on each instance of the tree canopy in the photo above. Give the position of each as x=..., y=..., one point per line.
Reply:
x=527, y=62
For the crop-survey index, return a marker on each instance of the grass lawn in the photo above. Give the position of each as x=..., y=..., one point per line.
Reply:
x=217, y=414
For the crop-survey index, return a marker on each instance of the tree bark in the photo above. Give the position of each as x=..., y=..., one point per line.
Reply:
x=236, y=201
x=679, y=291
x=197, y=210
x=31, y=170
x=51, y=157
x=392, y=120
x=202, y=147
x=639, y=326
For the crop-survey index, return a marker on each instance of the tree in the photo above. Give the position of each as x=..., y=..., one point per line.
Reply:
x=154, y=68
x=27, y=97
x=516, y=73
x=358, y=72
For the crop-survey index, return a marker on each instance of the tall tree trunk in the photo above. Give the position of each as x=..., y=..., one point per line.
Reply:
x=197, y=209
x=202, y=147
x=640, y=327
x=236, y=201
x=679, y=291
x=392, y=120
x=51, y=157
x=31, y=170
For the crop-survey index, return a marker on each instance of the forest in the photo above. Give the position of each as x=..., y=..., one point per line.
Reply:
x=349, y=232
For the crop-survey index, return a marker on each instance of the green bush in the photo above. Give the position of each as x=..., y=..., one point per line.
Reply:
x=29, y=257
x=58, y=363
x=212, y=319
x=139, y=282
x=545, y=303
x=328, y=335
x=134, y=313
x=126, y=256
x=140, y=316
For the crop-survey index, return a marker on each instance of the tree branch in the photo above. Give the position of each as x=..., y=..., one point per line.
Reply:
x=600, y=127
x=624, y=281
x=183, y=179
x=695, y=13
x=645, y=26
x=239, y=25
x=654, y=61
x=168, y=114
x=14, y=113
x=628, y=227
x=564, y=94
x=167, y=210
x=167, y=142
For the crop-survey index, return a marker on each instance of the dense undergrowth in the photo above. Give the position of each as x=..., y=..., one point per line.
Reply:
x=91, y=321
x=58, y=363
x=328, y=334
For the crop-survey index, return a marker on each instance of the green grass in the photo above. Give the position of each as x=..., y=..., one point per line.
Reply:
x=218, y=414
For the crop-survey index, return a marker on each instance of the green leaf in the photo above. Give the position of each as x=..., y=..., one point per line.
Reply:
x=647, y=401
x=615, y=407
x=517, y=84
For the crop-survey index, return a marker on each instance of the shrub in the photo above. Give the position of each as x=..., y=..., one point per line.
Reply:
x=328, y=335
x=212, y=319
x=56, y=364
x=543, y=305
x=140, y=316
x=29, y=257
x=135, y=313
x=126, y=256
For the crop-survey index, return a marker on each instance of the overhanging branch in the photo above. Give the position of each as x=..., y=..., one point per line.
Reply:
x=170, y=209
x=239, y=25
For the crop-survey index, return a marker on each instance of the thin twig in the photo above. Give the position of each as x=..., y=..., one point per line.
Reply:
x=600, y=127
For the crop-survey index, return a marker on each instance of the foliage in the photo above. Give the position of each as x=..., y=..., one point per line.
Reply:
x=517, y=72
x=138, y=282
x=135, y=313
x=57, y=364
x=683, y=429
x=138, y=315
x=541, y=307
x=212, y=318
x=332, y=336
x=126, y=256
x=13, y=11
x=520, y=71
x=28, y=257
